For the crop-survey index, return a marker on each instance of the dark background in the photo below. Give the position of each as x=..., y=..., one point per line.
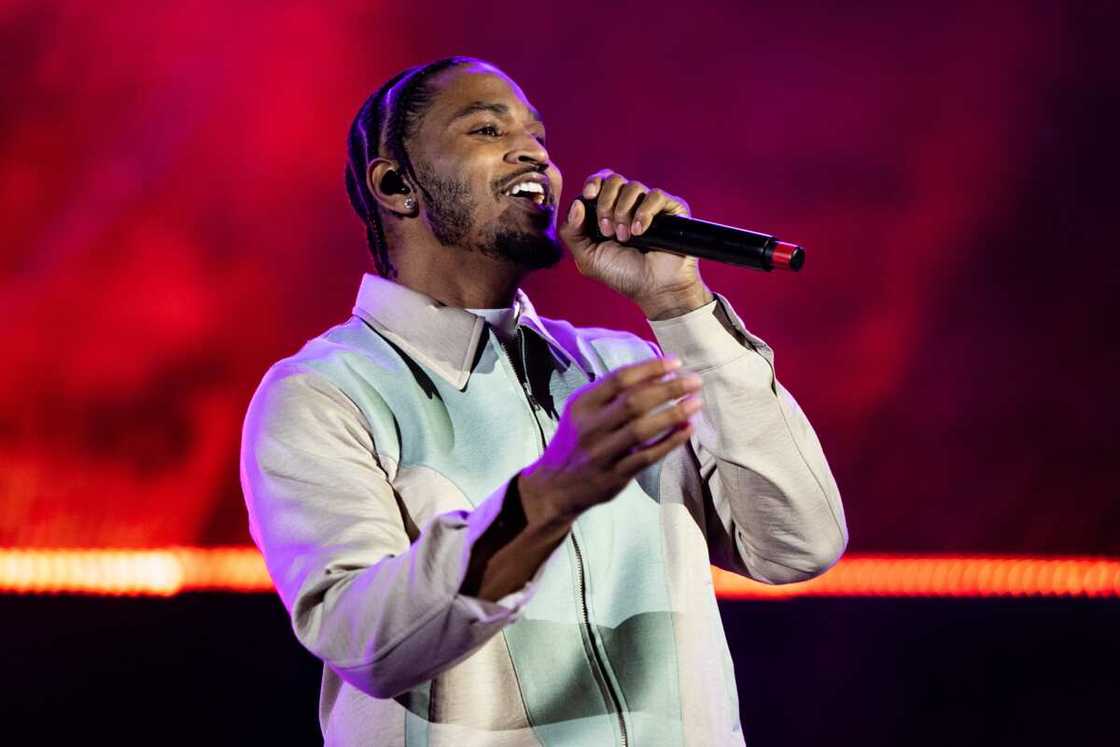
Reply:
x=226, y=669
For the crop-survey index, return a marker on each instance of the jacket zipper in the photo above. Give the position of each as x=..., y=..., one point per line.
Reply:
x=599, y=666
x=597, y=662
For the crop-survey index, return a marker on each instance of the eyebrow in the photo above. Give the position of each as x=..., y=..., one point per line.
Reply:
x=490, y=106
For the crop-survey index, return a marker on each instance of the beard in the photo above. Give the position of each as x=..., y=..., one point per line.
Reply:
x=451, y=215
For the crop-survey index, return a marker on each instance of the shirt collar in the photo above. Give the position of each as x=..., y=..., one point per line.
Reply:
x=504, y=321
x=442, y=338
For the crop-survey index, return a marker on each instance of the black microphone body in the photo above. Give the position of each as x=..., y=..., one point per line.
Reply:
x=700, y=238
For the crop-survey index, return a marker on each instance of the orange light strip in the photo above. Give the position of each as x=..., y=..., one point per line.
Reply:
x=157, y=572
x=169, y=571
x=937, y=576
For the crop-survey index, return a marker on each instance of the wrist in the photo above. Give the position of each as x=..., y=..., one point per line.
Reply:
x=542, y=511
x=668, y=304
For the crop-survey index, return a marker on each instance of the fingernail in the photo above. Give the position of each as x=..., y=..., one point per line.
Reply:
x=636, y=228
x=622, y=232
x=572, y=212
x=692, y=381
x=672, y=362
x=691, y=405
x=590, y=189
x=605, y=227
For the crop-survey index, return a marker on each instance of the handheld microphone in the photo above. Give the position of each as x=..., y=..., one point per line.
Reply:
x=699, y=238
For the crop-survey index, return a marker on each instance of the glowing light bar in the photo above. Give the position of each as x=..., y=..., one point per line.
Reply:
x=934, y=576
x=170, y=571
x=157, y=572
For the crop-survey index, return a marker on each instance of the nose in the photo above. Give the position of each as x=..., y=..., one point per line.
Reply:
x=527, y=149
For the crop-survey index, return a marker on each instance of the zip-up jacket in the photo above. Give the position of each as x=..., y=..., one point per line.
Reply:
x=375, y=457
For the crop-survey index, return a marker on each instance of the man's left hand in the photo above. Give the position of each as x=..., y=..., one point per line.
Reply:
x=662, y=284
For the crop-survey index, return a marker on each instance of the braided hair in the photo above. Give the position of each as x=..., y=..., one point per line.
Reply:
x=392, y=112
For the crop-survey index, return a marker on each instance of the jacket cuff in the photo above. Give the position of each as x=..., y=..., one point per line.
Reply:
x=509, y=608
x=701, y=340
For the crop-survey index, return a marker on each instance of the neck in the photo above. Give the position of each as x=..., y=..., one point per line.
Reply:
x=457, y=277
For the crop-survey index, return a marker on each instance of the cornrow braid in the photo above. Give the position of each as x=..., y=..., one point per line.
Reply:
x=391, y=114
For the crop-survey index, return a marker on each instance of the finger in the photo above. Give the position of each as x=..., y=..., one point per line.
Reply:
x=636, y=433
x=621, y=378
x=654, y=203
x=632, y=403
x=604, y=207
x=628, y=197
x=642, y=458
x=572, y=231
x=592, y=184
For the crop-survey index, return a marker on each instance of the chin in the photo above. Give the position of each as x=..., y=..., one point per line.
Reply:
x=526, y=239
x=531, y=250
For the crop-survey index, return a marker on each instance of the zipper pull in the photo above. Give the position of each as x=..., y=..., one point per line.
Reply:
x=527, y=386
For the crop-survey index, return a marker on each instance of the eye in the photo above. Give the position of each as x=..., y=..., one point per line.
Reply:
x=488, y=130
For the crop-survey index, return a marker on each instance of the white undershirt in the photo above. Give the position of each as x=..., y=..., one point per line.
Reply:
x=504, y=321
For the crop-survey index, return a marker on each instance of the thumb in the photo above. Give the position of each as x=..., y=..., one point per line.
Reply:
x=572, y=231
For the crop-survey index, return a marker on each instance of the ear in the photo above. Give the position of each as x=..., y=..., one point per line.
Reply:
x=392, y=200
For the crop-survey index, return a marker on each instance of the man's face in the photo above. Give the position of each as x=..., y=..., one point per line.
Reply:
x=479, y=152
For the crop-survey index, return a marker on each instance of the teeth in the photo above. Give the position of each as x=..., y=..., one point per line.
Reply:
x=523, y=187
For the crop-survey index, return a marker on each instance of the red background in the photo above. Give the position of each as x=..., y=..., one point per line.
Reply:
x=173, y=219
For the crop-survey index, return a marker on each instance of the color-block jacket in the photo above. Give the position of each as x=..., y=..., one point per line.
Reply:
x=375, y=457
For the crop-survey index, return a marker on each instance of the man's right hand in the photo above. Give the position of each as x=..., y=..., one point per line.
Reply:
x=610, y=431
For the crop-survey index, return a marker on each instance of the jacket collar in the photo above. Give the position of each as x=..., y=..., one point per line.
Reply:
x=442, y=338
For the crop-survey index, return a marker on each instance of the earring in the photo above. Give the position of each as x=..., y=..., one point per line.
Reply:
x=409, y=204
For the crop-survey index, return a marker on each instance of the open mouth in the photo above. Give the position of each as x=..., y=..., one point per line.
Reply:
x=531, y=190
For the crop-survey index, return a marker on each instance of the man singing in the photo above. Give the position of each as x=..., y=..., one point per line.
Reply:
x=496, y=528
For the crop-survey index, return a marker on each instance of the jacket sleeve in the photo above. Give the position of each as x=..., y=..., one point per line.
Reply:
x=382, y=611
x=770, y=508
